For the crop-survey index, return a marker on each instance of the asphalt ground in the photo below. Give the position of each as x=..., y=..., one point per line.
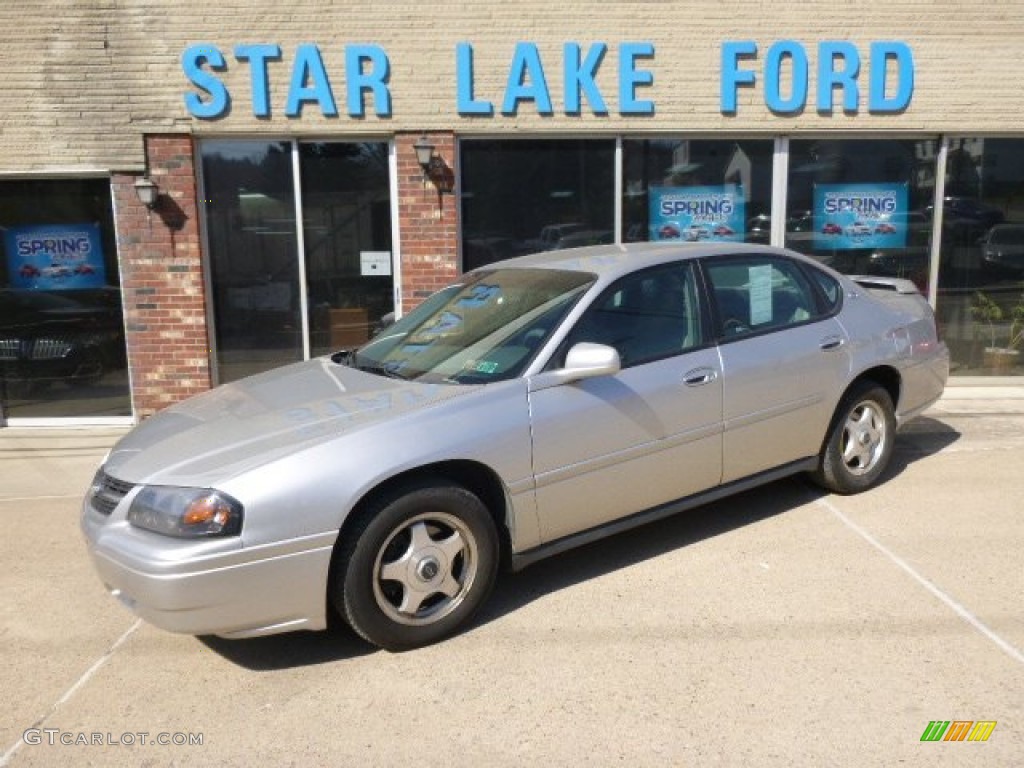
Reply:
x=780, y=627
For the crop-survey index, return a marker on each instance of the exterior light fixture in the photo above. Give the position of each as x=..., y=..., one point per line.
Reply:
x=425, y=156
x=434, y=168
x=147, y=192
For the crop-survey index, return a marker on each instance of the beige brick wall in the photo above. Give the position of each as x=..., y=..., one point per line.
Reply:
x=85, y=79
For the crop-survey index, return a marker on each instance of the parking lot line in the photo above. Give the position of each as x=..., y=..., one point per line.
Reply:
x=73, y=689
x=956, y=607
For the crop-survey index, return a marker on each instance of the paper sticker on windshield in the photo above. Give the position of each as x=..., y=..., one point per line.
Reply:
x=479, y=295
x=481, y=366
x=760, y=294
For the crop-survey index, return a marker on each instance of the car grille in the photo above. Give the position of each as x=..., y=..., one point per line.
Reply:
x=34, y=349
x=107, y=492
x=48, y=349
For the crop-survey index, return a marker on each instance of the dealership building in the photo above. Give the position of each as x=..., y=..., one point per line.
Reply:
x=191, y=192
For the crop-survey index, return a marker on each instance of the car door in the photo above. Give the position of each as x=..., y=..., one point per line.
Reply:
x=784, y=359
x=607, y=447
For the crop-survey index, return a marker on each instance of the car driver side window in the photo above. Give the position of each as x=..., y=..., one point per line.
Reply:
x=646, y=316
x=757, y=294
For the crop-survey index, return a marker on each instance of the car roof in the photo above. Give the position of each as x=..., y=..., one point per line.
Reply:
x=610, y=261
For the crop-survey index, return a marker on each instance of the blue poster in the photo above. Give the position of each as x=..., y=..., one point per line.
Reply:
x=850, y=216
x=55, y=257
x=697, y=213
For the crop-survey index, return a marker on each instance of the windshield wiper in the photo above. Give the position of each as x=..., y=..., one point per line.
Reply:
x=382, y=370
x=351, y=359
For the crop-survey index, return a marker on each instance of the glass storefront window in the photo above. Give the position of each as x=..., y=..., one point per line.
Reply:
x=863, y=206
x=62, y=342
x=259, y=289
x=980, y=303
x=524, y=196
x=698, y=190
x=253, y=253
x=346, y=219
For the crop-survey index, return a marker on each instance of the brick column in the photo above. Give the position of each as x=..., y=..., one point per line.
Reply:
x=428, y=221
x=162, y=279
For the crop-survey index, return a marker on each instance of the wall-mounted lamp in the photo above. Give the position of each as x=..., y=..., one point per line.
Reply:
x=425, y=156
x=434, y=167
x=147, y=192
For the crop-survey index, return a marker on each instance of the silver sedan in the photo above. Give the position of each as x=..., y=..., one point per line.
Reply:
x=534, y=405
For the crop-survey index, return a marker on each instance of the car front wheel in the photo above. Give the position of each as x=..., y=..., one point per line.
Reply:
x=415, y=566
x=860, y=443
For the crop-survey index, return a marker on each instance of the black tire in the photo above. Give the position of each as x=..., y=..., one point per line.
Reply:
x=860, y=441
x=440, y=544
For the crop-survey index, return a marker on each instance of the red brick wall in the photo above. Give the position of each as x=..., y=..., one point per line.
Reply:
x=162, y=279
x=428, y=221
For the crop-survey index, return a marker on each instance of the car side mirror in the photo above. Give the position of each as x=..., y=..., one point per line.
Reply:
x=587, y=360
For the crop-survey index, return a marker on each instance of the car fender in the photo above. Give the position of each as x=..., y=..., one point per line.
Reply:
x=315, y=489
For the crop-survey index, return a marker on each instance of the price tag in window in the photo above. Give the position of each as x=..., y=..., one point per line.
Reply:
x=760, y=294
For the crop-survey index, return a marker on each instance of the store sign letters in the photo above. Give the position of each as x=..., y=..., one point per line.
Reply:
x=783, y=76
x=368, y=74
x=838, y=68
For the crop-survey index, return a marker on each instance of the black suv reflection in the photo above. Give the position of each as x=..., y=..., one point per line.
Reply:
x=46, y=337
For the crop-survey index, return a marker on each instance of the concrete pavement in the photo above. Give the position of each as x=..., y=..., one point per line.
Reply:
x=781, y=627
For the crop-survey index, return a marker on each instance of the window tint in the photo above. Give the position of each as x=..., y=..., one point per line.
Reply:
x=528, y=195
x=62, y=340
x=646, y=316
x=759, y=294
x=860, y=205
x=736, y=175
x=830, y=288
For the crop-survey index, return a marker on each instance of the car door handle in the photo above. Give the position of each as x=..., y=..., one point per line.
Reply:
x=700, y=376
x=832, y=342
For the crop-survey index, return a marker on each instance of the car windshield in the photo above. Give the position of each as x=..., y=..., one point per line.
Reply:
x=486, y=328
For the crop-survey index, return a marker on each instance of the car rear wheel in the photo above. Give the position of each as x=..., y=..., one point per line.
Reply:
x=860, y=443
x=415, y=566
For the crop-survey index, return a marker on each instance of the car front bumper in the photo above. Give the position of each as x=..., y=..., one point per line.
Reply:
x=211, y=587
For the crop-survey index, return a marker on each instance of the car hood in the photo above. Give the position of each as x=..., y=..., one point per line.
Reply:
x=241, y=426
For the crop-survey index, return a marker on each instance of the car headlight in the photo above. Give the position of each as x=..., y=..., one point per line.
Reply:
x=186, y=513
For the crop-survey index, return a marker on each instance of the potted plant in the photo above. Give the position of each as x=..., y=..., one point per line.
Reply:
x=1000, y=355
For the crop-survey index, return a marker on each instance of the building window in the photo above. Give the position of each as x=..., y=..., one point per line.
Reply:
x=346, y=220
x=253, y=249
x=697, y=190
x=980, y=301
x=62, y=341
x=524, y=196
x=271, y=304
x=863, y=206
